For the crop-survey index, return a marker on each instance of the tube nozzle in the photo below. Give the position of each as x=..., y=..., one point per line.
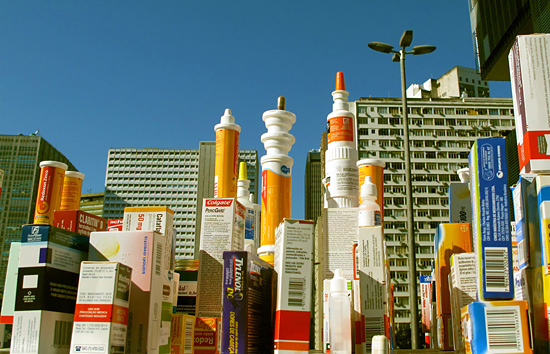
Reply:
x=242, y=170
x=281, y=102
x=340, y=84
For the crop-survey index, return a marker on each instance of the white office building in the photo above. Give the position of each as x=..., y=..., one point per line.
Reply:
x=178, y=179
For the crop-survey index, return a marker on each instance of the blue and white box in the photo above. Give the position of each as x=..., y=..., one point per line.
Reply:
x=491, y=219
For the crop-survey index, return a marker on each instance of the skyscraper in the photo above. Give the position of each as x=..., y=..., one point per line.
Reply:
x=313, y=188
x=442, y=131
x=20, y=156
x=178, y=179
x=495, y=25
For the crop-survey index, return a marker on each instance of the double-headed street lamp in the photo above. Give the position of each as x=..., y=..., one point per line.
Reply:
x=399, y=56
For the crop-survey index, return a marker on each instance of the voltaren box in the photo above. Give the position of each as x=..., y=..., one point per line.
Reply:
x=46, y=289
x=491, y=219
x=143, y=251
x=159, y=219
x=249, y=288
x=496, y=327
x=79, y=221
x=294, y=267
x=182, y=334
x=452, y=238
x=463, y=291
x=339, y=235
x=372, y=279
x=529, y=61
x=10, y=286
x=460, y=203
x=101, y=312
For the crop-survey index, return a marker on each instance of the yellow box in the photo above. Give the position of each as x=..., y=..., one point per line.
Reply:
x=182, y=334
x=451, y=238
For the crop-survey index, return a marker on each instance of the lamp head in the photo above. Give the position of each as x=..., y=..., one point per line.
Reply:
x=423, y=49
x=406, y=39
x=381, y=47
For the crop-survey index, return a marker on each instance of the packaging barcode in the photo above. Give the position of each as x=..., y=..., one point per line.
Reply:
x=496, y=269
x=158, y=262
x=296, y=294
x=504, y=332
x=188, y=342
x=62, y=333
x=374, y=326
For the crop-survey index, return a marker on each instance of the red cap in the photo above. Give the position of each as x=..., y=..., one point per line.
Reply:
x=340, y=85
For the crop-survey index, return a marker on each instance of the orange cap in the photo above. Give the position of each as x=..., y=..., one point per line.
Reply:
x=340, y=85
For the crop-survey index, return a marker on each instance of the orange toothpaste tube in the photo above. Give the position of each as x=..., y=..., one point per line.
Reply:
x=276, y=175
x=72, y=190
x=50, y=187
x=276, y=197
x=226, y=170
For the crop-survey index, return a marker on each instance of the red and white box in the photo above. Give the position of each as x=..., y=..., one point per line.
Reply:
x=294, y=265
x=79, y=221
x=529, y=61
x=114, y=225
x=101, y=312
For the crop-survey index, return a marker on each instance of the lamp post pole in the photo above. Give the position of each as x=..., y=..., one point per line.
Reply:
x=405, y=41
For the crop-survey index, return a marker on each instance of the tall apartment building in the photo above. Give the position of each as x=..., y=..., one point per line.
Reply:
x=495, y=25
x=313, y=188
x=442, y=131
x=178, y=179
x=20, y=156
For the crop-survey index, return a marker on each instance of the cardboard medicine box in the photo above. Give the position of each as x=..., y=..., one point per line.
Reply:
x=159, y=219
x=294, y=267
x=79, y=221
x=491, y=219
x=101, y=312
x=496, y=327
x=182, y=333
x=249, y=289
x=452, y=238
x=529, y=61
x=143, y=251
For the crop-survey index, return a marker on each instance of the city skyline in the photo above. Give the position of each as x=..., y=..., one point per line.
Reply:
x=90, y=77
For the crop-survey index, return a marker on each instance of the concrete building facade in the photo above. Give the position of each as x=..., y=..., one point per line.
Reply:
x=20, y=156
x=313, y=188
x=178, y=179
x=442, y=131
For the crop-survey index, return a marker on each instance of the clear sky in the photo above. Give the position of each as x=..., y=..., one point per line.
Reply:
x=91, y=75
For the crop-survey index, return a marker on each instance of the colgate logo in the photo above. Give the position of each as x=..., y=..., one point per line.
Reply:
x=218, y=202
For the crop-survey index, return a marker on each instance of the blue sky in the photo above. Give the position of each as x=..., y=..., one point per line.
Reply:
x=91, y=75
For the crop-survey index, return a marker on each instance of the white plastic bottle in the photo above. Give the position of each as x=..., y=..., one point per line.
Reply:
x=339, y=310
x=369, y=210
x=341, y=172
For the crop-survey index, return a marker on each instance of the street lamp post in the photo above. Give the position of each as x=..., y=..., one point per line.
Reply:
x=405, y=41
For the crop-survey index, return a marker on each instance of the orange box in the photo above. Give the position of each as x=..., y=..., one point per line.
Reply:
x=206, y=335
x=451, y=238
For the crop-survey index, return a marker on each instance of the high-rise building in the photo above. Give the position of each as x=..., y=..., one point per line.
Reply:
x=92, y=203
x=457, y=82
x=178, y=179
x=20, y=156
x=442, y=131
x=313, y=187
x=495, y=25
